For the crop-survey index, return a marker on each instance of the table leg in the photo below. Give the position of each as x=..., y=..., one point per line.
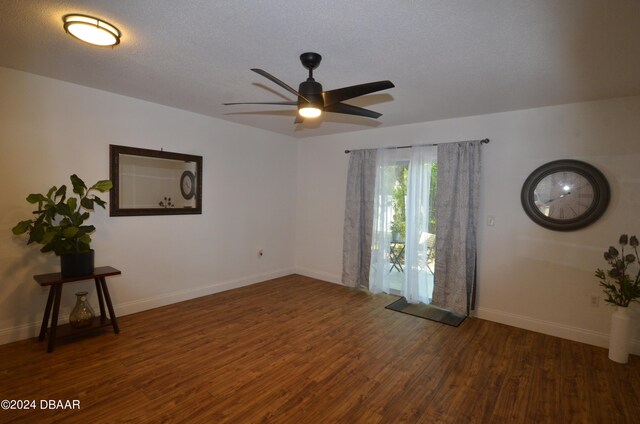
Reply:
x=103, y=316
x=395, y=257
x=401, y=255
x=112, y=314
x=47, y=312
x=54, y=318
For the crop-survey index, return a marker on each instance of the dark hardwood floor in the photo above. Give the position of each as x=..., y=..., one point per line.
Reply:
x=298, y=350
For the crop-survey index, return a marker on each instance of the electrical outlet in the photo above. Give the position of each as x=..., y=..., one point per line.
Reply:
x=595, y=301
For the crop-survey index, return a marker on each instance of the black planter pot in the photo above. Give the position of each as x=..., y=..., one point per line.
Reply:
x=77, y=264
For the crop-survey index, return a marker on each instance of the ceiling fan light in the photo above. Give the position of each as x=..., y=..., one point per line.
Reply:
x=91, y=30
x=309, y=112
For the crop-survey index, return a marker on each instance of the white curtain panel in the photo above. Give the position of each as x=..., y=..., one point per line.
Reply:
x=382, y=217
x=418, y=283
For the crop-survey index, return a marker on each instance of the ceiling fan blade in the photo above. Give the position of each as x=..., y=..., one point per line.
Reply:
x=351, y=110
x=340, y=94
x=262, y=103
x=268, y=76
x=299, y=119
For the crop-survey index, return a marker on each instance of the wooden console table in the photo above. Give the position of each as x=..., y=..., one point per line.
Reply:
x=55, y=280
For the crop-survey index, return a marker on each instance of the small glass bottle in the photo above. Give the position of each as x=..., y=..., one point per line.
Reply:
x=82, y=314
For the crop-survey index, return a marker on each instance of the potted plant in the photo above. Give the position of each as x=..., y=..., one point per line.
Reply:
x=398, y=230
x=58, y=224
x=621, y=284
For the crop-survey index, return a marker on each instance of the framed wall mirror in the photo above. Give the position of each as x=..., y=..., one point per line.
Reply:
x=152, y=182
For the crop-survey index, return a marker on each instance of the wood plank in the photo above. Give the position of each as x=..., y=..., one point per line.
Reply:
x=295, y=349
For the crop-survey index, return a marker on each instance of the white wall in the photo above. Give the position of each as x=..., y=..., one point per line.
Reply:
x=528, y=276
x=259, y=193
x=51, y=129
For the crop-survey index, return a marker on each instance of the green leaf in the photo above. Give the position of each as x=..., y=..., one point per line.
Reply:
x=70, y=232
x=75, y=219
x=48, y=237
x=36, y=198
x=36, y=234
x=87, y=229
x=85, y=239
x=87, y=203
x=64, y=247
x=51, y=191
x=72, y=202
x=66, y=222
x=50, y=212
x=99, y=201
x=47, y=248
x=103, y=185
x=63, y=209
x=78, y=185
x=21, y=227
x=62, y=192
x=83, y=247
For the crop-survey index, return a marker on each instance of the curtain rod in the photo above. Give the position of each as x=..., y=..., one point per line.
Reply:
x=485, y=141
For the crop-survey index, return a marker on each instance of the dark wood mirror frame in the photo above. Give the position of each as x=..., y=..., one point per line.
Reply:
x=121, y=190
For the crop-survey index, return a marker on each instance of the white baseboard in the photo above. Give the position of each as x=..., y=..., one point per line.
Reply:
x=320, y=275
x=139, y=305
x=568, y=332
x=26, y=331
x=21, y=332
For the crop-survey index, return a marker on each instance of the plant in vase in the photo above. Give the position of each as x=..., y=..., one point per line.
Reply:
x=58, y=224
x=621, y=284
x=398, y=230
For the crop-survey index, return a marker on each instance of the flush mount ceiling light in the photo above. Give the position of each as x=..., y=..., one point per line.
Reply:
x=91, y=30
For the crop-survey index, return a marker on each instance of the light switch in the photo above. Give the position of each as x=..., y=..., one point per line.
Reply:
x=491, y=220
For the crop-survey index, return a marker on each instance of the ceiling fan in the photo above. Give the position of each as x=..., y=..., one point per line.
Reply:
x=312, y=101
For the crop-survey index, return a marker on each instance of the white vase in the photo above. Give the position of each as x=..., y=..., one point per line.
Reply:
x=620, y=335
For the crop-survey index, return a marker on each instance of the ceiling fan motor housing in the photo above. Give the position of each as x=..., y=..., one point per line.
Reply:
x=312, y=91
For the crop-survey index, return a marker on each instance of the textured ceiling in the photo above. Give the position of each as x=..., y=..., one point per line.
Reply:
x=447, y=58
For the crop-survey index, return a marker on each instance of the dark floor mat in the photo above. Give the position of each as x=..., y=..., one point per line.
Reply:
x=430, y=312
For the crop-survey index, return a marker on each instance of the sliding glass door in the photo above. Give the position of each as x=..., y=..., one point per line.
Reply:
x=403, y=246
x=397, y=223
